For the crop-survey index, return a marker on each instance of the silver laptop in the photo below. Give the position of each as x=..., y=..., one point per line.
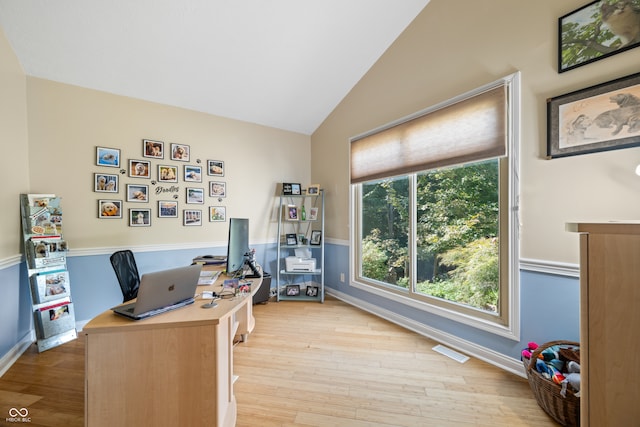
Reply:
x=162, y=291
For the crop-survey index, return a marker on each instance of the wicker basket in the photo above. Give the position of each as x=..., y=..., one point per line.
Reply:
x=565, y=410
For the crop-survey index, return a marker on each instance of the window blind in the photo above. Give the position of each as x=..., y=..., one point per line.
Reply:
x=470, y=129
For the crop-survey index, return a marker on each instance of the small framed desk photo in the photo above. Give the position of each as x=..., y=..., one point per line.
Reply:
x=313, y=190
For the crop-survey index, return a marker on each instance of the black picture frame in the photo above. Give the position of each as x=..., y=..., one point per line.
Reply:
x=316, y=238
x=312, y=291
x=292, y=290
x=291, y=189
x=598, y=118
x=292, y=239
x=588, y=34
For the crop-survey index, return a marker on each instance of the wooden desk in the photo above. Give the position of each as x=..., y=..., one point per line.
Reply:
x=172, y=369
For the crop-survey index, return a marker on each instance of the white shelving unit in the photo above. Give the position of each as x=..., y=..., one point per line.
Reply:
x=301, y=239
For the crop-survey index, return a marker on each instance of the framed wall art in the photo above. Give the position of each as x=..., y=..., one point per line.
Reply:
x=597, y=30
x=215, y=167
x=192, y=217
x=192, y=173
x=598, y=118
x=110, y=209
x=217, y=213
x=180, y=152
x=139, y=217
x=167, y=173
x=195, y=195
x=217, y=189
x=139, y=169
x=167, y=209
x=153, y=149
x=137, y=193
x=106, y=183
x=108, y=157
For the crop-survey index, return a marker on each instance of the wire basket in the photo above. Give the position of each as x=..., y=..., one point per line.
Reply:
x=565, y=410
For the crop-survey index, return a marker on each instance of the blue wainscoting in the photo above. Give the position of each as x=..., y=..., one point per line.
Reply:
x=549, y=302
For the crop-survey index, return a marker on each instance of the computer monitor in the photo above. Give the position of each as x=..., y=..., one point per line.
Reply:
x=238, y=245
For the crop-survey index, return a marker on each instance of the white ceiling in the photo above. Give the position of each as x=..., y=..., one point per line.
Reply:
x=280, y=63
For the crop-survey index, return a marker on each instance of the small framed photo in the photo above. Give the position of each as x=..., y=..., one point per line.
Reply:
x=313, y=190
x=106, y=183
x=291, y=189
x=316, y=237
x=110, y=209
x=313, y=214
x=167, y=209
x=192, y=173
x=153, y=149
x=217, y=213
x=217, y=189
x=312, y=291
x=139, y=217
x=292, y=213
x=195, y=195
x=292, y=239
x=139, y=169
x=192, y=217
x=167, y=173
x=180, y=152
x=108, y=157
x=293, y=290
x=137, y=193
x=215, y=168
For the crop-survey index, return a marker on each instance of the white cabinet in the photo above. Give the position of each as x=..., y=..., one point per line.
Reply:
x=300, y=272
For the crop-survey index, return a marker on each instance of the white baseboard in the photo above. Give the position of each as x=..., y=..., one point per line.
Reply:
x=494, y=358
x=14, y=354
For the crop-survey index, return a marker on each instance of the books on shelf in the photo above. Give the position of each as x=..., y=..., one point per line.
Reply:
x=54, y=319
x=50, y=285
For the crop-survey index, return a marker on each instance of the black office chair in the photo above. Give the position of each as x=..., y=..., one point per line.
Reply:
x=124, y=264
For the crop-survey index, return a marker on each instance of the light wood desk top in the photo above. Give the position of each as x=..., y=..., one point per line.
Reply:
x=191, y=315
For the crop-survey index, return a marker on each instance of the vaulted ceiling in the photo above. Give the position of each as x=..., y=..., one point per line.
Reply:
x=280, y=63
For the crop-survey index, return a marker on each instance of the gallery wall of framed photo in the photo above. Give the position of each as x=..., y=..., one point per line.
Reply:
x=181, y=185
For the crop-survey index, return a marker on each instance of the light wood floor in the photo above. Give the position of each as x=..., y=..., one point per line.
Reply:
x=311, y=364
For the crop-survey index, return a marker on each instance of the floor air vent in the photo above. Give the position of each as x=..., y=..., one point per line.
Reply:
x=458, y=357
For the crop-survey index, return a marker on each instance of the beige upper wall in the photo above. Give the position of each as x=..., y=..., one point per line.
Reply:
x=14, y=176
x=66, y=123
x=456, y=45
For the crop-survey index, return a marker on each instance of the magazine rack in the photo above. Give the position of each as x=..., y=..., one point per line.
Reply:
x=46, y=257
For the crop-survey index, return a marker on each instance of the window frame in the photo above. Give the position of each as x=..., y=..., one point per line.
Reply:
x=507, y=322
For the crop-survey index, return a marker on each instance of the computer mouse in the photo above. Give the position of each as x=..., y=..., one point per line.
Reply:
x=209, y=304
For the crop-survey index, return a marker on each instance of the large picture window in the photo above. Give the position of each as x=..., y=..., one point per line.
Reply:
x=434, y=209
